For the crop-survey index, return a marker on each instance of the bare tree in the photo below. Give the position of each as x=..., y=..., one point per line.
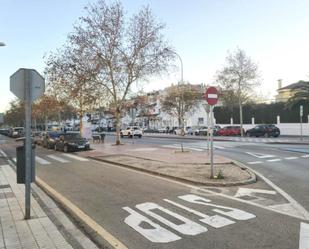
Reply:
x=71, y=78
x=239, y=75
x=180, y=100
x=123, y=50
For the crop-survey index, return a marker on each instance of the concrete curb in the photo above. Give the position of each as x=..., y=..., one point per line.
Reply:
x=252, y=178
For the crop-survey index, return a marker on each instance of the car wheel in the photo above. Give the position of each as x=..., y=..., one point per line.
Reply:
x=65, y=149
x=121, y=135
x=140, y=136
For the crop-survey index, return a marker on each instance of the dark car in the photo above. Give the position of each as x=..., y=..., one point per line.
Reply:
x=50, y=139
x=263, y=130
x=71, y=142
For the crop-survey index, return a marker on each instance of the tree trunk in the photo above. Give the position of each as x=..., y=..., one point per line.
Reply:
x=81, y=124
x=117, y=115
x=46, y=125
x=241, y=118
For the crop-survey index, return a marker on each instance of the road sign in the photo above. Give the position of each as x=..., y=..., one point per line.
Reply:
x=211, y=95
x=18, y=83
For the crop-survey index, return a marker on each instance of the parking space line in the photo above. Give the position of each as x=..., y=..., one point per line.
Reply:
x=291, y=158
x=41, y=160
x=59, y=159
x=274, y=160
x=76, y=157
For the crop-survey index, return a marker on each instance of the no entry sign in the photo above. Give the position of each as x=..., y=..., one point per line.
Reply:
x=211, y=95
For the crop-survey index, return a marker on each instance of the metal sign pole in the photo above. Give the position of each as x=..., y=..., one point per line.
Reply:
x=211, y=144
x=28, y=100
x=301, y=122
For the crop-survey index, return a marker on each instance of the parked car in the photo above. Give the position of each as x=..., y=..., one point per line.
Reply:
x=131, y=131
x=201, y=131
x=71, y=142
x=17, y=132
x=229, y=131
x=263, y=130
x=50, y=138
x=187, y=131
x=216, y=129
x=5, y=131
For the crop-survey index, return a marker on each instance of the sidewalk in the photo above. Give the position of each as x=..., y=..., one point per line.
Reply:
x=189, y=166
x=48, y=227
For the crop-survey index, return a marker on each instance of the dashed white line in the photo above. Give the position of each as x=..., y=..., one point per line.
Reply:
x=256, y=162
x=41, y=160
x=274, y=160
x=304, y=236
x=76, y=157
x=290, y=158
x=59, y=159
x=3, y=153
x=305, y=156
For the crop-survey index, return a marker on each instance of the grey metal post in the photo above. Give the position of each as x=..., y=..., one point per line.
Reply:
x=28, y=145
x=211, y=144
x=301, y=122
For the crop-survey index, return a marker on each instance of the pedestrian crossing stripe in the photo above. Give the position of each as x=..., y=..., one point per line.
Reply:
x=41, y=160
x=76, y=157
x=59, y=159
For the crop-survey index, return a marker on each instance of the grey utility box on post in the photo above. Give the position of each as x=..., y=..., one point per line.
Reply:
x=21, y=164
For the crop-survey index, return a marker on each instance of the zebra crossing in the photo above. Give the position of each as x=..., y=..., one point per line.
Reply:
x=60, y=158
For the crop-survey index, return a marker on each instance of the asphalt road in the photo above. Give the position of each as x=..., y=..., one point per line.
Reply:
x=144, y=211
x=286, y=165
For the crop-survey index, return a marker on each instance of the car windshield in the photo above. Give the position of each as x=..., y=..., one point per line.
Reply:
x=54, y=135
x=72, y=136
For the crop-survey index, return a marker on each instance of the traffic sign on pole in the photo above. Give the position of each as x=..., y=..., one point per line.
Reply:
x=27, y=85
x=18, y=83
x=211, y=95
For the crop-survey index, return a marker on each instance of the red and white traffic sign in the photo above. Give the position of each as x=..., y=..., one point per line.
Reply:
x=211, y=95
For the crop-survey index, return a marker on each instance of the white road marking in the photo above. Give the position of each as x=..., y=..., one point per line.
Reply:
x=255, y=162
x=215, y=221
x=259, y=155
x=219, y=147
x=234, y=213
x=274, y=160
x=59, y=159
x=250, y=192
x=305, y=156
x=187, y=227
x=14, y=159
x=304, y=236
x=41, y=160
x=76, y=157
x=156, y=234
x=291, y=158
x=3, y=153
x=301, y=211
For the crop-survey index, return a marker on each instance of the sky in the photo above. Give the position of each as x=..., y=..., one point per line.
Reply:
x=273, y=33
